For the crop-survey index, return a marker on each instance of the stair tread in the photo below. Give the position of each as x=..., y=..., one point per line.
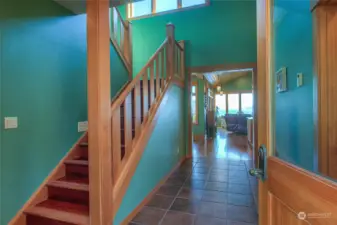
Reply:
x=69, y=185
x=61, y=211
x=75, y=179
x=84, y=144
x=77, y=162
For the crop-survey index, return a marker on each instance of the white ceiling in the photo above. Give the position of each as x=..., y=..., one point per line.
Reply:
x=221, y=77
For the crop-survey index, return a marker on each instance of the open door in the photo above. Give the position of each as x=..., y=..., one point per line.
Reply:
x=297, y=51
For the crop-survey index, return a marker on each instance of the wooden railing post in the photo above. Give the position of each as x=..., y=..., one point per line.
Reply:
x=128, y=43
x=182, y=59
x=170, y=50
x=99, y=112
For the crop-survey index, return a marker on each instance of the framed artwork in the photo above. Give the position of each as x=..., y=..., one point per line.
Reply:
x=281, y=80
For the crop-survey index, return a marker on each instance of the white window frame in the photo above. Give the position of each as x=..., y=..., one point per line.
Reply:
x=153, y=9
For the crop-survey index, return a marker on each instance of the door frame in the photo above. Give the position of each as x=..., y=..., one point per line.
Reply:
x=264, y=93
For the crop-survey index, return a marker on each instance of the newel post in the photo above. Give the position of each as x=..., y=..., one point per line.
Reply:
x=99, y=112
x=170, y=62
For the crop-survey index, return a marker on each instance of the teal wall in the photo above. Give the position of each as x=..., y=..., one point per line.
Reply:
x=294, y=108
x=42, y=82
x=161, y=153
x=200, y=127
x=243, y=83
x=224, y=32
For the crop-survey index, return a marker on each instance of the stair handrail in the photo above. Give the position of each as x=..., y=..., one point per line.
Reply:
x=138, y=77
x=121, y=37
x=134, y=110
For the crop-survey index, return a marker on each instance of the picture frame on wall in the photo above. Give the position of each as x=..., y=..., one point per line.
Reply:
x=281, y=80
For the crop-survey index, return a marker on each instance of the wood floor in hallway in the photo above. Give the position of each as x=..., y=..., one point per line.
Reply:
x=212, y=188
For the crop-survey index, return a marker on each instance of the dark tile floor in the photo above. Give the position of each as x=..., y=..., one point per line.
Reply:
x=211, y=189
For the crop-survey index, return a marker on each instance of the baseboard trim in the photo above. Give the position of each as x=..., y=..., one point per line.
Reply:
x=149, y=196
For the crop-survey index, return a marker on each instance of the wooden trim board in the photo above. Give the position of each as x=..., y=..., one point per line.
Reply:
x=41, y=193
x=153, y=192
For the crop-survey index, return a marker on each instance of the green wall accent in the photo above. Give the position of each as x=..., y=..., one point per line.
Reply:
x=161, y=153
x=200, y=127
x=294, y=109
x=43, y=78
x=243, y=83
x=224, y=32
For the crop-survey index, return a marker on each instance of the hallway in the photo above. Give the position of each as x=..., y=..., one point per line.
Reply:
x=213, y=188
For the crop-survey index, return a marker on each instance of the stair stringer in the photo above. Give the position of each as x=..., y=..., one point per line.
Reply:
x=124, y=179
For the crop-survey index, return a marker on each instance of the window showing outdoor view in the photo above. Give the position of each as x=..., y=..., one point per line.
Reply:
x=194, y=105
x=247, y=103
x=221, y=104
x=144, y=7
x=233, y=103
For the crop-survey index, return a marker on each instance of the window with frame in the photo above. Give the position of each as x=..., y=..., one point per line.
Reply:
x=233, y=103
x=247, y=103
x=150, y=7
x=194, y=104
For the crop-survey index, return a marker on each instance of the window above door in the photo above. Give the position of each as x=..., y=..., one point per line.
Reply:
x=147, y=8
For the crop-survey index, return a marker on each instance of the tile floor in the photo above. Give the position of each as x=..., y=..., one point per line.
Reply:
x=212, y=188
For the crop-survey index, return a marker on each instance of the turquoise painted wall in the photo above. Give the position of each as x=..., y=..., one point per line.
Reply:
x=224, y=32
x=243, y=83
x=42, y=82
x=294, y=108
x=200, y=127
x=161, y=153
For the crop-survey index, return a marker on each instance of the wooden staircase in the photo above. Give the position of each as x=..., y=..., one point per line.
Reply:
x=67, y=200
x=64, y=198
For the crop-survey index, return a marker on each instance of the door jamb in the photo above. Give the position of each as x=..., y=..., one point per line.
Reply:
x=264, y=92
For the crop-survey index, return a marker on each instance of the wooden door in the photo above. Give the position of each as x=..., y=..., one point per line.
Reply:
x=294, y=192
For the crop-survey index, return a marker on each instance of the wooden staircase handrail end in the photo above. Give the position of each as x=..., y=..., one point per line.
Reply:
x=124, y=178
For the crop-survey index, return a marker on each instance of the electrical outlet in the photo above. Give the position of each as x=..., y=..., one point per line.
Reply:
x=82, y=126
x=11, y=122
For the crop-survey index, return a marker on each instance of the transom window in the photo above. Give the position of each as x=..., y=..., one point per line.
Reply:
x=149, y=7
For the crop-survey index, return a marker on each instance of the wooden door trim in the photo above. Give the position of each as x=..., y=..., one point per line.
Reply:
x=264, y=93
x=302, y=191
x=324, y=81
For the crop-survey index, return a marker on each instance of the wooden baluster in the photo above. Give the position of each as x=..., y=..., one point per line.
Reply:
x=116, y=142
x=137, y=109
x=176, y=52
x=151, y=83
x=145, y=97
x=128, y=43
x=163, y=69
x=157, y=76
x=122, y=36
x=182, y=60
x=128, y=126
x=115, y=23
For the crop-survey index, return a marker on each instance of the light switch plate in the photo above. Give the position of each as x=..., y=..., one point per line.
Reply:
x=82, y=126
x=299, y=79
x=11, y=122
